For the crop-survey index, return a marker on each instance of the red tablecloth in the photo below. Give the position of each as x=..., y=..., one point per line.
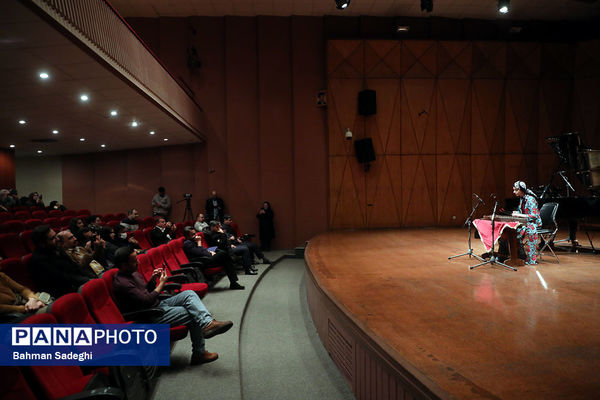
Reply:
x=484, y=227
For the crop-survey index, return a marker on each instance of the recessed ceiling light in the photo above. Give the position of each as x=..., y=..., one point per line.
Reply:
x=166, y=140
x=403, y=28
x=152, y=132
x=82, y=139
x=503, y=6
x=55, y=131
x=103, y=145
x=44, y=75
x=134, y=123
x=12, y=146
x=39, y=152
x=114, y=113
x=22, y=122
x=84, y=97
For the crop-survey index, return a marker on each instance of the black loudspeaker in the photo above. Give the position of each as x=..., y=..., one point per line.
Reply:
x=367, y=102
x=365, y=153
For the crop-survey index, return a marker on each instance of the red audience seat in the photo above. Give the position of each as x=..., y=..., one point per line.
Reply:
x=13, y=385
x=104, y=310
x=35, y=208
x=17, y=270
x=12, y=226
x=60, y=381
x=39, y=214
x=145, y=268
x=32, y=223
x=64, y=221
x=22, y=215
x=141, y=239
x=189, y=223
x=108, y=217
x=20, y=208
x=69, y=213
x=55, y=214
x=236, y=228
x=120, y=216
x=11, y=245
x=147, y=232
x=71, y=309
x=84, y=211
x=108, y=277
x=173, y=264
x=5, y=216
x=147, y=222
x=112, y=223
x=53, y=222
x=26, y=240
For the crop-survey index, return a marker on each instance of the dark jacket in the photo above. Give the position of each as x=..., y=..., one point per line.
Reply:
x=159, y=237
x=210, y=209
x=217, y=239
x=53, y=271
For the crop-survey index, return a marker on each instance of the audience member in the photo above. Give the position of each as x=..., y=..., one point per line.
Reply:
x=162, y=232
x=12, y=199
x=200, y=225
x=75, y=226
x=34, y=199
x=94, y=222
x=123, y=239
x=192, y=246
x=266, y=229
x=237, y=241
x=161, y=203
x=215, y=207
x=17, y=301
x=108, y=235
x=185, y=308
x=55, y=205
x=51, y=269
x=86, y=257
x=215, y=237
x=131, y=223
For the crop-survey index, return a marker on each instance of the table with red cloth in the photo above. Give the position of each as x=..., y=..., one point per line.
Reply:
x=484, y=227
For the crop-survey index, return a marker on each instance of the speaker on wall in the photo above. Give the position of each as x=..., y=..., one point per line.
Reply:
x=365, y=153
x=367, y=102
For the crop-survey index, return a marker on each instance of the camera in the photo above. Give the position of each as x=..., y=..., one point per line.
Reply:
x=187, y=196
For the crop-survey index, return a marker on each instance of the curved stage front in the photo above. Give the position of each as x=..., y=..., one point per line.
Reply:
x=401, y=321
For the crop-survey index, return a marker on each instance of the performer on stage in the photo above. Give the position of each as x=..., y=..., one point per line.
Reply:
x=527, y=234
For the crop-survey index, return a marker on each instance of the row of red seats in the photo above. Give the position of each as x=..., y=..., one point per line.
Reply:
x=23, y=215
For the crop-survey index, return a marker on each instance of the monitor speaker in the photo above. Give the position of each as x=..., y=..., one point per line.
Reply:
x=367, y=102
x=365, y=153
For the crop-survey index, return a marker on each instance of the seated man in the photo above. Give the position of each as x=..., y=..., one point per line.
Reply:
x=86, y=257
x=131, y=223
x=216, y=237
x=51, y=269
x=17, y=302
x=237, y=241
x=162, y=232
x=185, y=308
x=200, y=225
x=194, y=251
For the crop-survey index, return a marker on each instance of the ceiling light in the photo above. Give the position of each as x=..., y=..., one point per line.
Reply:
x=55, y=131
x=342, y=4
x=114, y=113
x=22, y=122
x=152, y=132
x=166, y=140
x=82, y=139
x=39, y=152
x=134, y=124
x=44, y=75
x=503, y=6
x=84, y=97
x=103, y=145
x=403, y=28
x=12, y=146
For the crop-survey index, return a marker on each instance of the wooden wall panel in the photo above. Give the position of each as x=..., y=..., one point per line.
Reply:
x=453, y=118
x=7, y=169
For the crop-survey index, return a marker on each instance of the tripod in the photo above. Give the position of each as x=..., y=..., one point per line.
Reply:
x=188, y=214
x=493, y=258
x=469, y=224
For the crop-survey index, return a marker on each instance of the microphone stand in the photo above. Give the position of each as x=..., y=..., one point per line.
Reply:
x=493, y=258
x=469, y=223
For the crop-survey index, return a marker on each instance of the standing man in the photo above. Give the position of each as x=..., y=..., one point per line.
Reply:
x=161, y=203
x=215, y=207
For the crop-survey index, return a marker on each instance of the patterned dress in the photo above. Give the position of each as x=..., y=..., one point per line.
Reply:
x=527, y=233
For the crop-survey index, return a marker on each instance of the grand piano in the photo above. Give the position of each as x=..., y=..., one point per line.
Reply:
x=575, y=205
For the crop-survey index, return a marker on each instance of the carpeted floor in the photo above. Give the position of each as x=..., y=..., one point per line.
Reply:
x=272, y=352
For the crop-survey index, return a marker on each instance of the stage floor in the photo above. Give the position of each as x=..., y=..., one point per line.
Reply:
x=487, y=333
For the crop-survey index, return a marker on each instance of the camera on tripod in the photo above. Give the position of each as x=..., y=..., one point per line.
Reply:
x=187, y=196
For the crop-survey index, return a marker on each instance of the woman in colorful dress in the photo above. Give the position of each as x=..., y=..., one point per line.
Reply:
x=527, y=233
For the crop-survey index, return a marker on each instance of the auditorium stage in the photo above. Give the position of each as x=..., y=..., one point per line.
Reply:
x=402, y=321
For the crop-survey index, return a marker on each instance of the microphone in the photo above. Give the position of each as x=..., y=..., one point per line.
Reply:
x=479, y=198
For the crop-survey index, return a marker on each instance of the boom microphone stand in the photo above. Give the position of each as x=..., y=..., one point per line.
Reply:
x=493, y=258
x=469, y=223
